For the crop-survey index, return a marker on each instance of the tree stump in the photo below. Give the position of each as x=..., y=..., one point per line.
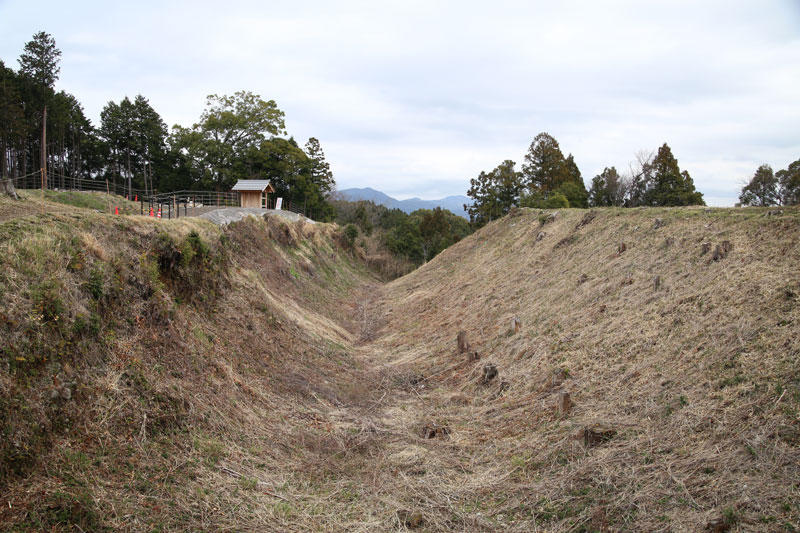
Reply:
x=587, y=219
x=7, y=188
x=410, y=519
x=432, y=430
x=473, y=356
x=516, y=324
x=540, y=236
x=657, y=223
x=598, y=434
x=621, y=248
x=656, y=283
x=564, y=403
x=705, y=248
x=461, y=341
x=489, y=373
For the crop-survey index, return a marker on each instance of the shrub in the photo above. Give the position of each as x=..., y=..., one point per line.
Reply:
x=47, y=300
x=350, y=234
x=554, y=200
x=193, y=271
x=95, y=283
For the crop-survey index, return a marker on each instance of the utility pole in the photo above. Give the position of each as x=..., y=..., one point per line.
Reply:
x=44, y=153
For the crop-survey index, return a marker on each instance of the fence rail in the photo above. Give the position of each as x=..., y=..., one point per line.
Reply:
x=169, y=204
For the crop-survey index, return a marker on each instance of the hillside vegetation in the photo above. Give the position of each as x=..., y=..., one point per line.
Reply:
x=682, y=354
x=172, y=375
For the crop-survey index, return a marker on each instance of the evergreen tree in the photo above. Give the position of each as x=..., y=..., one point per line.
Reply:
x=607, y=189
x=546, y=171
x=544, y=168
x=789, y=179
x=321, y=173
x=494, y=194
x=13, y=127
x=39, y=68
x=136, y=138
x=762, y=189
x=670, y=186
x=39, y=60
x=573, y=187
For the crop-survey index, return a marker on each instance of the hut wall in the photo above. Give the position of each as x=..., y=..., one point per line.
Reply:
x=250, y=198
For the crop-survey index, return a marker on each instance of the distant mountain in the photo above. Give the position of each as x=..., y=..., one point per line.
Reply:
x=454, y=204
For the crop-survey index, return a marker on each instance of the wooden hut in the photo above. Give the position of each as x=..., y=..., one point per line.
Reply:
x=253, y=193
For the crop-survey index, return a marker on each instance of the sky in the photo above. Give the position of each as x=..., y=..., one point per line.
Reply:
x=414, y=98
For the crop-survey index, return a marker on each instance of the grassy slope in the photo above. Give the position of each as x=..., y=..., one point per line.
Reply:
x=698, y=377
x=63, y=202
x=266, y=351
x=139, y=363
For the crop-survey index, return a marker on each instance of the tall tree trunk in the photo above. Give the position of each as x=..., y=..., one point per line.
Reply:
x=4, y=161
x=130, y=187
x=44, y=148
x=24, y=159
x=61, y=158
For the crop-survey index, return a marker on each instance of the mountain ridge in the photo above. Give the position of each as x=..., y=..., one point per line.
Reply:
x=453, y=203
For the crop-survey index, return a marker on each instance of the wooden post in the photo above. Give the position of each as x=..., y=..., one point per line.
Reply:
x=44, y=154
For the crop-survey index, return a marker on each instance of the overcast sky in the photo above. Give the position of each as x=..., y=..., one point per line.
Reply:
x=415, y=98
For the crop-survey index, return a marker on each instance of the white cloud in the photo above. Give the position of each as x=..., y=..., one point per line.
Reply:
x=417, y=97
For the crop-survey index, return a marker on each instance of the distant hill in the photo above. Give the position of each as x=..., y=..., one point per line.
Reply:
x=454, y=204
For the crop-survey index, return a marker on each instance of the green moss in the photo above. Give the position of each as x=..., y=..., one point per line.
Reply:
x=74, y=509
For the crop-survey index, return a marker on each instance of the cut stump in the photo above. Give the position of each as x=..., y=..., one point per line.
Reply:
x=461, y=342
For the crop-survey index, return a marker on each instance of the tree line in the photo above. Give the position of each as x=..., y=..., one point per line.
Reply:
x=767, y=187
x=549, y=180
x=237, y=136
x=416, y=237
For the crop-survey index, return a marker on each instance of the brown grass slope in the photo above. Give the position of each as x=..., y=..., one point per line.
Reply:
x=173, y=376
x=698, y=373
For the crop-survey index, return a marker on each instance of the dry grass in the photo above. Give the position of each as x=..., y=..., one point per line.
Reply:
x=699, y=377
x=300, y=396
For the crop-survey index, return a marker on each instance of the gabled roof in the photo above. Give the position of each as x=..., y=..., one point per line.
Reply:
x=251, y=185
